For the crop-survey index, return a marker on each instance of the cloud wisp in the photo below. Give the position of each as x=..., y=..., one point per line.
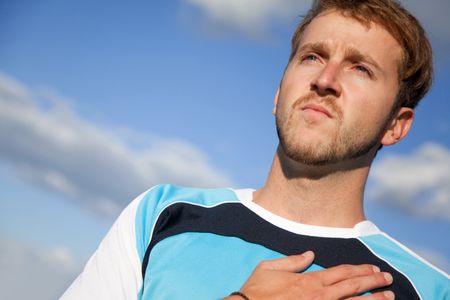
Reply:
x=418, y=183
x=48, y=144
x=28, y=272
x=253, y=18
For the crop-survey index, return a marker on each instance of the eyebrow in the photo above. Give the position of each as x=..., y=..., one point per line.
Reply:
x=351, y=53
x=320, y=48
x=354, y=54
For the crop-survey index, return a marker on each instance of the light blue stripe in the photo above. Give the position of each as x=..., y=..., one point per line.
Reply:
x=429, y=283
x=144, y=219
x=199, y=266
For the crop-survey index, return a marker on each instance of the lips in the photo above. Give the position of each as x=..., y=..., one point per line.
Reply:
x=317, y=108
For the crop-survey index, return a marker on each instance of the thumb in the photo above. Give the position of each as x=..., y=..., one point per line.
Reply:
x=292, y=263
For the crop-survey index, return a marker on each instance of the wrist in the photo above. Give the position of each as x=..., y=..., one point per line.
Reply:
x=238, y=295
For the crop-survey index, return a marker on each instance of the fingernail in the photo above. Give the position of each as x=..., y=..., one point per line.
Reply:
x=308, y=254
x=389, y=295
x=376, y=269
x=388, y=277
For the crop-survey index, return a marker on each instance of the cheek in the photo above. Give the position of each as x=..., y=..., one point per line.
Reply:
x=283, y=112
x=367, y=116
x=293, y=89
x=299, y=78
x=381, y=91
x=373, y=98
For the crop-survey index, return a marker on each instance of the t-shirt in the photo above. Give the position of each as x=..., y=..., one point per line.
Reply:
x=186, y=243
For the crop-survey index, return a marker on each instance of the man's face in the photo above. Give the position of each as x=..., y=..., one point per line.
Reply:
x=337, y=93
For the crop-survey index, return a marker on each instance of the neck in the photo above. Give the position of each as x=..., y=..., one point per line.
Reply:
x=316, y=195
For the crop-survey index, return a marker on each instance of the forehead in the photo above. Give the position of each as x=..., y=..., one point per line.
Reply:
x=341, y=33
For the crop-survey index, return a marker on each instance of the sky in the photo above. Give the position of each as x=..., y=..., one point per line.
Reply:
x=100, y=100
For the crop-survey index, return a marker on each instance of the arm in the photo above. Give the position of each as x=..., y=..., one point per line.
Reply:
x=114, y=270
x=279, y=279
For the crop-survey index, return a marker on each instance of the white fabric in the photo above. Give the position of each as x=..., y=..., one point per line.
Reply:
x=114, y=271
x=361, y=229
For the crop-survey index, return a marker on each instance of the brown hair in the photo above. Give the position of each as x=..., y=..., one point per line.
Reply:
x=415, y=70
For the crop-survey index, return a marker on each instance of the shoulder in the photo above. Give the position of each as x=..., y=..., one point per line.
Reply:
x=152, y=204
x=160, y=196
x=429, y=281
x=155, y=200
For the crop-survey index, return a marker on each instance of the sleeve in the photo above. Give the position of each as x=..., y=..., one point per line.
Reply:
x=114, y=270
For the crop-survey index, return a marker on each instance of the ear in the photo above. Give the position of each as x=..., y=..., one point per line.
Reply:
x=399, y=126
x=275, y=101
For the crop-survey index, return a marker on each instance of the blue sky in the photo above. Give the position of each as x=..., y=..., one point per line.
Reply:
x=101, y=100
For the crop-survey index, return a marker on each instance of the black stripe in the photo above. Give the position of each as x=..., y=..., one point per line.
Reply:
x=234, y=219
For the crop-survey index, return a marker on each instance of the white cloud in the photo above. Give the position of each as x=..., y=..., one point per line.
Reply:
x=252, y=17
x=418, y=183
x=48, y=144
x=27, y=272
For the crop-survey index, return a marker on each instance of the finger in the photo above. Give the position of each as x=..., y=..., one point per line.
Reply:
x=357, y=285
x=292, y=263
x=343, y=272
x=387, y=295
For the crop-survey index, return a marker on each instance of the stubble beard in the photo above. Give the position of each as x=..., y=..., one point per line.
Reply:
x=342, y=145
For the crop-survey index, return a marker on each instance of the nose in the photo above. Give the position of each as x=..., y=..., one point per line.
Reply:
x=326, y=82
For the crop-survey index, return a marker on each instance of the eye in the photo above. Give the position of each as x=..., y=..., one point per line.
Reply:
x=362, y=69
x=309, y=58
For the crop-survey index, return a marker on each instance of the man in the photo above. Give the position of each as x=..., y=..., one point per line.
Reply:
x=356, y=71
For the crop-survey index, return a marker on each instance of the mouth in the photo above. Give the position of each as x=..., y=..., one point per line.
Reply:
x=318, y=109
